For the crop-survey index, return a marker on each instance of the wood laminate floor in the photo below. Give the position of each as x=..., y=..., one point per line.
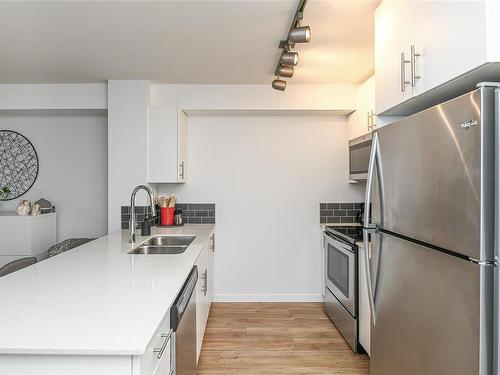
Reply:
x=275, y=338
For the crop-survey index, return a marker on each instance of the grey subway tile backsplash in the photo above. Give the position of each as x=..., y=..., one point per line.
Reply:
x=198, y=213
x=332, y=206
x=347, y=206
x=192, y=213
x=334, y=213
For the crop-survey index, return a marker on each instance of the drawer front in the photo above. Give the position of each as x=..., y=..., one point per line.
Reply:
x=158, y=357
x=344, y=322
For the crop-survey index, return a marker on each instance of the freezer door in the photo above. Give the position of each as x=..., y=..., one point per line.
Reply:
x=437, y=175
x=430, y=312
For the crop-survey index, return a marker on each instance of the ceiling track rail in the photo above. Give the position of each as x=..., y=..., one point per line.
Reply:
x=288, y=59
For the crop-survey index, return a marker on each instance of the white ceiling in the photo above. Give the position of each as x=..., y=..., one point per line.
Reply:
x=183, y=42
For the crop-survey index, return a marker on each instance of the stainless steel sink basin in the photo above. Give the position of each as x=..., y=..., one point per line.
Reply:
x=164, y=245
x=154, y=249
x=170, y=241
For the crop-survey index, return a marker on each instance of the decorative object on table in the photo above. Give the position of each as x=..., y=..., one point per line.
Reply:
x=66, y=245
x=24, y=208
x=146, y=228
x=167, y=209
x=18, y=165
x=4, y=192
x=36, y=209
x=45, y=206
x=178, y=217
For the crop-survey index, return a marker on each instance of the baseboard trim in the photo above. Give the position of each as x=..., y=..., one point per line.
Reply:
x=268, y=297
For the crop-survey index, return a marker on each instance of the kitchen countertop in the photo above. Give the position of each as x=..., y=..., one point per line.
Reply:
x=95, y=299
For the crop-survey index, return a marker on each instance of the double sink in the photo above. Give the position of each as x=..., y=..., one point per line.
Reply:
x=164, y=245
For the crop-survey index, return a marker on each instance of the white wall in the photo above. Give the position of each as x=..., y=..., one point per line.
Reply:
x=65, y=96
x=267, y=176
x=72, y=152
x=128, y=103
x=340, y=98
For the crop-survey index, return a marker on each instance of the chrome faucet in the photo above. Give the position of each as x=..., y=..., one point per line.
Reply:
x=131, y=223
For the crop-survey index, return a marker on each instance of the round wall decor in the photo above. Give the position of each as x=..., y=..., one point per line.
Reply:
x=18, y=165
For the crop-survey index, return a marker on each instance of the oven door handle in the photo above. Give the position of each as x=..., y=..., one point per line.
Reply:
x=339, y=245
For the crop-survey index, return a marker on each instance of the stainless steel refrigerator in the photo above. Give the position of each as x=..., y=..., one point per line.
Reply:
x=432, y=259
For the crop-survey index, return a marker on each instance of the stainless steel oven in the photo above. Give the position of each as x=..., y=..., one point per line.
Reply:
x=359, y=156
x=341, y=272
x=341, y=278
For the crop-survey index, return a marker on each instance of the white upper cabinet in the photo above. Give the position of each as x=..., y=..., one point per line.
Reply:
x=450, y=39
x=167, y=138
x=394, y=34
x=439, y=40
x=363, y=120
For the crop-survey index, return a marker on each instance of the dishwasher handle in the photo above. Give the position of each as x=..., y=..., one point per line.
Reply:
x=182, y=300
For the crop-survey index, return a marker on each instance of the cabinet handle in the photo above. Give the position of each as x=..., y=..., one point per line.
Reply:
x=371, y=123
x=206, y=282
x=403, y=80
x=181, y=174
x=413, y=57
x=212, y=246
x=167, y=337
x=204, y=288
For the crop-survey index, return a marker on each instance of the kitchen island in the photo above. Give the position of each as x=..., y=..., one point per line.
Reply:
x=95, y=309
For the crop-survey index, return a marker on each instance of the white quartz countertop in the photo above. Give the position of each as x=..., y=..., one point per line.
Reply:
x=95, y=299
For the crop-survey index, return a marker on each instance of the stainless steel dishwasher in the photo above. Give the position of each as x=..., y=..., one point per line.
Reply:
x=183, y=324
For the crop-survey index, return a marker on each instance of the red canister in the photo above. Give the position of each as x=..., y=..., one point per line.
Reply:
x=167, y=215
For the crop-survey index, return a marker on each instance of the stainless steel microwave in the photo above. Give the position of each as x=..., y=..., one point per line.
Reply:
x=359, y=157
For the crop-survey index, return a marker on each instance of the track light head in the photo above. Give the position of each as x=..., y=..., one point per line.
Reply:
x=289, y=58
x=285, y=71
x=279, y=84
x=300, y=34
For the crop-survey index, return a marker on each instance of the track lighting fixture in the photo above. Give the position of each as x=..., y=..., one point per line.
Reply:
x=279, y=84
x=300, y=34
x=288, y=58
x=285, y=71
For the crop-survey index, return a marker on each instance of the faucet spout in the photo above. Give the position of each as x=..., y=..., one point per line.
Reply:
x=132, y=222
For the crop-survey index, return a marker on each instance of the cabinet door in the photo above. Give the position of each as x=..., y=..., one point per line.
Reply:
x=182, y=145
x=162, y=145
x=365, y=103
x=201, y=300
x=394, y=34
x=364, y=303
x=43, y=233
x=14, y=235
x=157, y=360
x=450, y=36
x=210, y=275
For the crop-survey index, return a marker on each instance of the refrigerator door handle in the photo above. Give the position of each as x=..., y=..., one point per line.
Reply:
x=371, y=168
x=368, y=277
